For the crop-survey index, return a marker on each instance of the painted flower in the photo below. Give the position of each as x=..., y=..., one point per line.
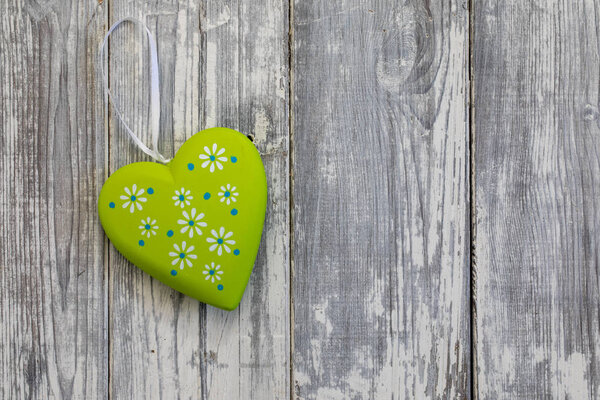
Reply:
x=212, y=272
x=192, y=222
x=182, y=255
x=148, y=227
x=133, y=198
x=212, y=157
x=220, y=241
x=228, y=194
x=182, y=198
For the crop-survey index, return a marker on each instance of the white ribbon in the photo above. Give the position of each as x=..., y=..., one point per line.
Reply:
x=154, y=92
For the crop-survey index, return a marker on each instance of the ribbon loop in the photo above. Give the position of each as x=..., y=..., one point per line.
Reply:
x=154, y=92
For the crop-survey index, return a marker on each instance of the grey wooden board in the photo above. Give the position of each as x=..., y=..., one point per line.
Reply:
x=222, y=64
x=376, y=302
x=52, y=292
x=381, y=200
x=536, y=79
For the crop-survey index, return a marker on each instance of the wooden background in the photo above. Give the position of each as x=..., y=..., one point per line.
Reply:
x=434, y=206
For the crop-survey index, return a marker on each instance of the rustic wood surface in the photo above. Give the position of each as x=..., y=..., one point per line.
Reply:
x=53, y=303
x=432, y=217
x=537, y=173
x=381, y=200
x=222, y=64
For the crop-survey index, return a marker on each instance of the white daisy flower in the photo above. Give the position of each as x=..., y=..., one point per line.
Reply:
x=182, y=198
x=182, y=255
x=192, y=222
x=133, y=198
x=212, y=157
x=148, y=227
x=228, y=194
x=220, y=241
x=212, y=272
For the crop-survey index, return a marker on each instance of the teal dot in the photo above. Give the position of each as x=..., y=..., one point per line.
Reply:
x=170, y=233
x=220, y=287
x=147, y=227
x=212, y=158
x=236, y=252
x=191, y=166
x=220, y=241
x=141, y=243
x=111, y=204
x=234, y=159
x=191, y=223
x=206, y=196
x=227, y=194
x=212, y=272
x=181, y=197
x=173, y=272
x=181, y=255
x=234, y=211
x=150, y=191
x=132, y=198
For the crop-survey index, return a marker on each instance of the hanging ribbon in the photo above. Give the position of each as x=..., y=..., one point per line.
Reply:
x=154, y=92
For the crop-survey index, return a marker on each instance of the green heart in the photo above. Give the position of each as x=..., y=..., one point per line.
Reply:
x=195, y=223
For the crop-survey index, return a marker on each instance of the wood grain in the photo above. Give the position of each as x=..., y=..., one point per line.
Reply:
x=381, y=204
x=52, y=290
x=222, y=64
x=376, y=301
x=246, y=85
x=155, y=333
x=536, y=78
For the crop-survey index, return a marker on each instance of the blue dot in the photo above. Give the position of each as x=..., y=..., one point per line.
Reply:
x=220, y=287
x=147, y=226
x=150, y=191
x=133, y=198
x=173, y=272
x=227, y=194
x=191, y=223
x=206, y=196
x=141, y=243
x=212, y=272
x=234, y=159
x=212, y=158
x=191, y=166
x=111, y=204
x=220, y=241
x=181, y=197
x=181, y=255
x=236, y=252
x=170, y=233
x=234, y=211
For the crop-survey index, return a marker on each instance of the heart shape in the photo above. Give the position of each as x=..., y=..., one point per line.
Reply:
x=194, y=224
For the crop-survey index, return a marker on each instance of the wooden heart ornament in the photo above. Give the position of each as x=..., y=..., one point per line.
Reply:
x=194, y=224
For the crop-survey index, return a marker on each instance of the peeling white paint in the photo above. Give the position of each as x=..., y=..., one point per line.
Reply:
x=211, y=84
x=261, y=127
x=186, y=78
x=321, y=317
x=330, y=394
x=328, y=172
x=223, y=16
x=315, y=352
x=539, y=355
x=357, y=383
x=572, y=377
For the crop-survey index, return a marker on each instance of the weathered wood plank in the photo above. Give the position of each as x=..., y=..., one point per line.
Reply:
x=222, y=64
x=381, y=200
x=246, y=88
x=155, y=333
x=536, y=74
x=52, y=291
